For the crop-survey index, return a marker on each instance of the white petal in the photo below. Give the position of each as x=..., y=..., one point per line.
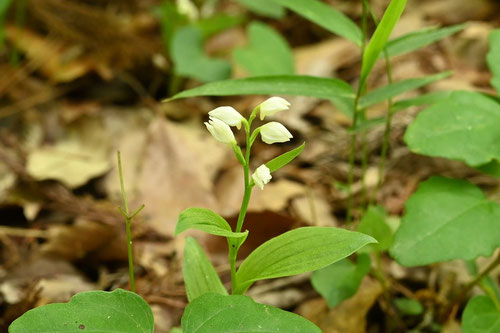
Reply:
x=274, y=132
x=262, y=176
x=273, y=105
x=228, y=115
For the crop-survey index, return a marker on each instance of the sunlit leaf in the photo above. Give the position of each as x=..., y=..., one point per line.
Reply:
x=264, y=8
x=205, y=220
x=282, y=160
x=492, y=58
x=481, y=316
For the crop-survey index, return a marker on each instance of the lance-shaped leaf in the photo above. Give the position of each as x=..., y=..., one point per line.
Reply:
x=326, y=17
x=297, y=85
x=199, y=274
x=374, y=224
x=481, y=316
x=380, y=36
x=417, y=39
x=90, y=311
x=425, y=99
x=264, y=7
x=396, y=88
x=282, y=160
x=235, y=313
x=205, y=220
x=463, y=127
x=492, y=58
x=299, y=251
x=446, y=219
x=272, y=51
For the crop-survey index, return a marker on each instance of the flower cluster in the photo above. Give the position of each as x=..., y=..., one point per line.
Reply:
x=221, y=118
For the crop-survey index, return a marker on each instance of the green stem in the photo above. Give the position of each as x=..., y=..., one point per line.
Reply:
x=354, y=136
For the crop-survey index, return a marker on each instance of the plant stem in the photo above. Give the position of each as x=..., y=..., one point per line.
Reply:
x=356, y=111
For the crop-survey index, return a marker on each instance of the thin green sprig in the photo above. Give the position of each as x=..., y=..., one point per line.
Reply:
x=128, y=221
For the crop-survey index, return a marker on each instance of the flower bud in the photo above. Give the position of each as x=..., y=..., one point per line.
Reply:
x=262, y=176
x=220, y=131
x=273, y=105
x=274, y=132
x=228, y=115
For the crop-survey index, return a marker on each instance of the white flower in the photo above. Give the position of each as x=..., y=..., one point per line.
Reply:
x=228, y=115
x=272, y=105
x=274, y=132
x=262, y=176
x=220, y=131
x=186, y=7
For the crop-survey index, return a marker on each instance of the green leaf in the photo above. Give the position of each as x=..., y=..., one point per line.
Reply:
x=420, y=38
x=264, y=8
x=446, y=219
x=175, y=330
x=396, y=88
x=219, y=22
x=299, y=251
x=282, y=160
x=205, y=220
x=273, y=85
x=4, y=6
x=266, y=54
x=425, y=99
x=191, y=61
x=326, y=17
x=341, y=280
x=231, y=314
x=200, y=276
x=492, y=58
x=90, y=311
x=481, y=316
x=374, y=224
x=409, y=306
x=170, y=20
x=380, y=36
x=492, y=168
x=463, y=127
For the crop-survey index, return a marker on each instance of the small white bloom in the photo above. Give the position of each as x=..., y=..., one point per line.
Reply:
x=220, y=131
x=262, y=176
x=274, y=132
x=272, y=105
x=228, y=115
x=186, y=7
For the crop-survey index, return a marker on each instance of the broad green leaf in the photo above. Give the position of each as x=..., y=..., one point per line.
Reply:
x=446, y=219
x=344, y=104
x=492, y=168
x=380, y=36
x=493, y=58
x=425, y=99
x=235, y=313
x=299, y=251
x=200, y=276
x=341, y=280
x=374, y=224
x=481, y=316
x=205, y=220
x=214, y=24
x=264, y=8
x=267, y=52
x=326, y=17
x=90, y=311
x=274, y=85
x=282, y=160
x=176, y=330
x=191, y=61
x=409, y=306
x=463, y=127
x=396, y=88
x=420, y=38
x=170, y=20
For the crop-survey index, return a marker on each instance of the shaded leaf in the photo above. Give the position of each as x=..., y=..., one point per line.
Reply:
x=266, y=54
x=326, y=17
x=480, y=316
x=492, y=58
x=463, y=127
x=282, y=160
x=227, y=314
x=409, y=306
x=190, y=60
x=298, y=85
x=264, y=7
x=374, y=224
x=380, y=36
x=90, y=311
x=417, y=39
x=446, y=219
x=396, y=88
x=299, y=251
x=492, y=168
x=425, y=99
x=341, y=280
x=199, y=274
